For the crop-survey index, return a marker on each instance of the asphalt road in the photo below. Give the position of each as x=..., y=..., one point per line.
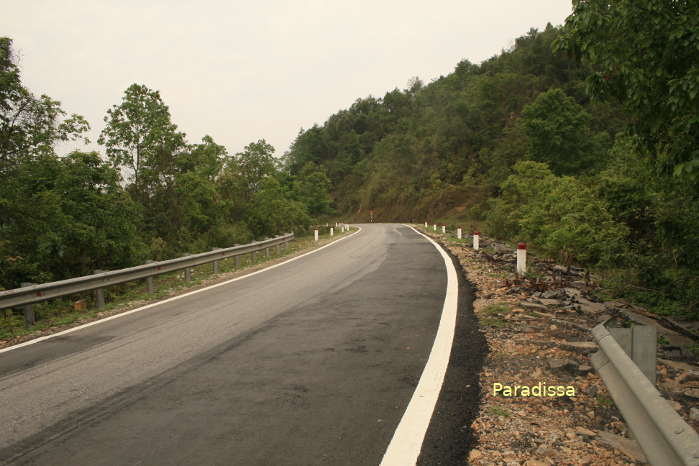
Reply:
x=312, y=362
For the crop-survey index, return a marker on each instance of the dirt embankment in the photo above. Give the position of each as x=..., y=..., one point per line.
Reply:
x=537, y=330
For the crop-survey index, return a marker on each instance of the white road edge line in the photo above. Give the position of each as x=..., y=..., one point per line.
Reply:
x=406, y=444
x=158, y=303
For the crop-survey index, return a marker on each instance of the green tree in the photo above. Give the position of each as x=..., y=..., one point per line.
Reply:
x=253, y=165
x=558, y=134
x=273, y=213
x=139, y=136
x=558, y=215
x=645, y=53
x=312, y=188
x=65, y=217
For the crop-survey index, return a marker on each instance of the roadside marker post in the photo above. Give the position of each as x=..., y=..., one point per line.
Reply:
x=444, y=229
x=434, y=227
x=332, y=231
x=315, y=234
x=458, y=233
x=476, y=238
x=521, y=259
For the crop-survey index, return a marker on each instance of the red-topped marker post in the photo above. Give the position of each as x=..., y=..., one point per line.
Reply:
x=521, y=259
x=476, y=238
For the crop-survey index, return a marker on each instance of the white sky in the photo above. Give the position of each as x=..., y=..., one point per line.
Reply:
x=242, y=71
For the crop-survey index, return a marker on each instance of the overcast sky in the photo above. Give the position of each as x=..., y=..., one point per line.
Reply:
x=242, y=71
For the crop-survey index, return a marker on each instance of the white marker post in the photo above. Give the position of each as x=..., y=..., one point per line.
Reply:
x=425, y=224
x=434, y=227
x=332, y=231
x=458, y=233
x=476, y=237
x=315, y=233
x=444, y=229
x=521, y=259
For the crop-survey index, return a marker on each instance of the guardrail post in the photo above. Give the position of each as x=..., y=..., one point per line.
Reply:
x=237, y=262
x=149, y=280
x=267, y=253
x=28, y=310
x=315, y=234
x=253, y=257
x=521, y=259
x=99, y=294
x=215, y=267
x=279, y=249
x=640, y=344
x=476, y=239
x=458, y=233
x=188, y=274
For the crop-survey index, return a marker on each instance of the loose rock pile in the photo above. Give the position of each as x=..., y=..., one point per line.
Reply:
x=537, y=331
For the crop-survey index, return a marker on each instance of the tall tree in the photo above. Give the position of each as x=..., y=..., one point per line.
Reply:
x=139, y=136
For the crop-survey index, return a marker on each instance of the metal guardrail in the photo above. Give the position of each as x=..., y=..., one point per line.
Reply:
x=37, y=293
x=662, y=434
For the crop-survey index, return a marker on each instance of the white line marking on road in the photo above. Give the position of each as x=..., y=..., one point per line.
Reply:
x=406, y=443
x=158, y=303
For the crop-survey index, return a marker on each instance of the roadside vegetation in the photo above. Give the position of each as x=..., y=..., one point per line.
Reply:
x=150, y=194
x=60, y=314
x=582, y=140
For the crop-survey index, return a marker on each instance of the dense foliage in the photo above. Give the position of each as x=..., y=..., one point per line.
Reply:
x=581, y=140
x=153, y=195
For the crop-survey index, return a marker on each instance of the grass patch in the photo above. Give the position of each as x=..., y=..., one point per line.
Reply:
x=499, y=411
x=496, y=309
x=491, y=315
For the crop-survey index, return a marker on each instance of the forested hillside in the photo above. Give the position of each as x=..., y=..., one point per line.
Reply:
x=582, y=140
x=150, y=195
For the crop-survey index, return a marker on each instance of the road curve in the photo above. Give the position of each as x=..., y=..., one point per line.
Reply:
x=312, y=362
